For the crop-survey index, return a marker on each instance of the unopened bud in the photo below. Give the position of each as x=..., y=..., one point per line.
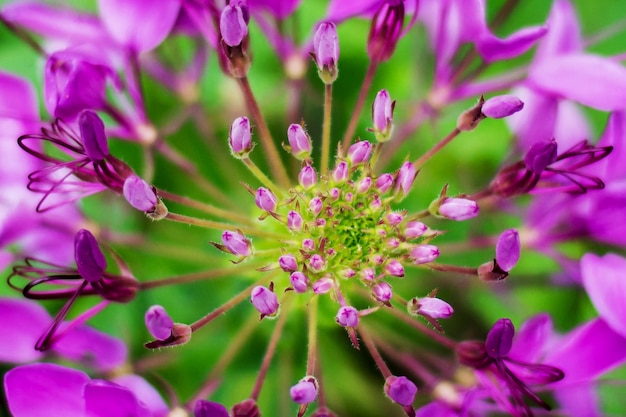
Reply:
x=508, y=249
x=139, y=194
x=422, y=254
x=288, y=263
x=382, y=292
x=234, y=24
x=341, y=172
x=502, y=106
x=299, y=282
x=206, y=408
x=458, y=209
x=265, y=199
x=500, y=338
x=92, y=135
x=307, y=177
x=400, y=390
x=540, y=155
x=326, y=51
x=406, y=177
x=394, y=269
x=323, y=285
x=347, y=316
x=382, y=116
x=236, y=243
x=359, y=152
x=305, y=391
x=294, y=221
x=158, y=322
x=240, y=138
x=264, y=300
x=384, y=183
x=90, y=260
x=299, y=142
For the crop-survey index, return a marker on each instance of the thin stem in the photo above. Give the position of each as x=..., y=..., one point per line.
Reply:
x=419, y=162
x=197, y=276
x=207, y=208
x=271, y=349
x=354, y=119
x=371, y=347
x=453, y=268
x=25, y=36
x=311, y=360
x=408, y=361
x=405, y=132
x=262, y=177
x=276, y=164
x=328, y=103
x=210, y=224
x=378, y=147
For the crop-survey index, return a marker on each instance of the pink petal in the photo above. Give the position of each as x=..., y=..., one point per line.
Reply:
x=23, y=321
x=45, y=389
x=564, y=35
x=592, y=80
x=614, y=165
x=492, y=48
x=532, y=339
x=106, y=399
x=603, y=278
x=145, y=392
x=580, y=400
x=537, y=121
x=140, y=24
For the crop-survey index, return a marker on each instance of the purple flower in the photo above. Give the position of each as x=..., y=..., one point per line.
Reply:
x=236, y=243
x=305, y=391
x=140, y=194
x=299, y=141
x=158, y=322
x=508, y=249
x=240, y=137
x=502, y=106
x=422, y=254
x=400, y=389
x=347, y=316
x=359, y=152
x=234, y=23
x=458, y=209
x=265, y=199
x=540, y=156
x=385, y=30
x=264, y=300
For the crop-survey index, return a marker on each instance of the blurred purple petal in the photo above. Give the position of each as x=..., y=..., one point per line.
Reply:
x=564, y=35
x=492, y=48
x=35, y=390
x=580, y=400
x=139, y=24
x=592, y=80
x=279, y=8
x=614, y=165
x=537, y=121
x=340, y=10
x=603, y=278
x=145, y=392
x=92, y=348
x=23, y=321
x=532, y=339
x=105, y=399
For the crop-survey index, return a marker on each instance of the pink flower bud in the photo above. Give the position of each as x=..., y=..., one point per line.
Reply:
x=236, y=243
x=323, y=285
x=508, y=249
x=394, y=219
x=240, y=137
x=406, y=177
x=317, y=263
x=294, y=221
x=414, y=230
x=334, y=193
x=382, y=292
x=299, y=282
x=299, y=141
x=265, y=199
x=326, y=50
x=359, y=152
x=264, y=300
x=158, y=322
x=393, y=243
x=139, y=194
x=348, y=273
x=384, y=183
x=347, y=316
x=502, y=106
x=382, y=116
x=458, y=209
x=340, y=173
x=376, y=203
x=305, y=391
x=348, y=197
x=307, y=177
x=432, y=307
x=422, y=254
x=315, y=205
x=400, y=390
x=363, y=185
x=368, y=274
x=308, y=245
x=394, y=268
x=234, y=24
x=288, y=263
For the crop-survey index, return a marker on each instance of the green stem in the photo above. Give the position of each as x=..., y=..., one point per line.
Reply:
x=328, y=103
x=207, y=208
x=262, y=177
x=311, y=361
x=210, y=224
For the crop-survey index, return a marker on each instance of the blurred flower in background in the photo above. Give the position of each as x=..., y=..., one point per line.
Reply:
x=165, y=257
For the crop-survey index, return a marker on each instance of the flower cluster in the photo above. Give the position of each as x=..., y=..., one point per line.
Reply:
x=123, y=206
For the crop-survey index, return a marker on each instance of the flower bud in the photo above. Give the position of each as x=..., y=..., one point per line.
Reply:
x=376, y=203
x=502, y=106
x=394, y=269
x=299, y=142
x=359, y=152
x=458, y=209
x=307, y=177
x=508, y=249
x=326, y=51
x=158, y=322
x=288, y=263
x=299, y=282
x=363, y=185
x=406, y=177
x=294, y=221
x=317, y=263
x=469, y=119
x=308, y=245
x=139, y=194
x=246, y=408
x=323, y=285
x=264, y=300
x=432, y=307
x=181, y=334
x=382, y=116
x=347, y=316
x=334, y=193
x=400, y=390
x=204, y=408
x=92, y=135
x=385, y=30
x=394, y=219
x=500, y=338
x=382, y=292
x=236, y=243
x=90, y=260
x=234, y=24
x=368, y=274
x=414, y=230
x=315, y=205
x=305, y=391
x=265, y=199
x=240, y=138
x=422, y=254
x=384, y=183
x=340, y=173
x=540, y=155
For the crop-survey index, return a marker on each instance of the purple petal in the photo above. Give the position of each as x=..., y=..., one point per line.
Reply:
x=23, y=322
x=500, y=338
x=145, y=392
x=18, y=100
x=205, y=408
x=592, y=80
x=508, y=249
x=587, y=352
x=90, y=260
x=614, y=165
x=92, y=135
x=492, y=48
x=139, y=24
x=571, y=125
x=580, y=400
x=564, y=35
x=34, y=390
x=537, y=121
x=279, y=8
x=603, y=278
x=533, y=339
x=340, y=10
x=105, y=399
x=502, y=106
x=92, y=348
